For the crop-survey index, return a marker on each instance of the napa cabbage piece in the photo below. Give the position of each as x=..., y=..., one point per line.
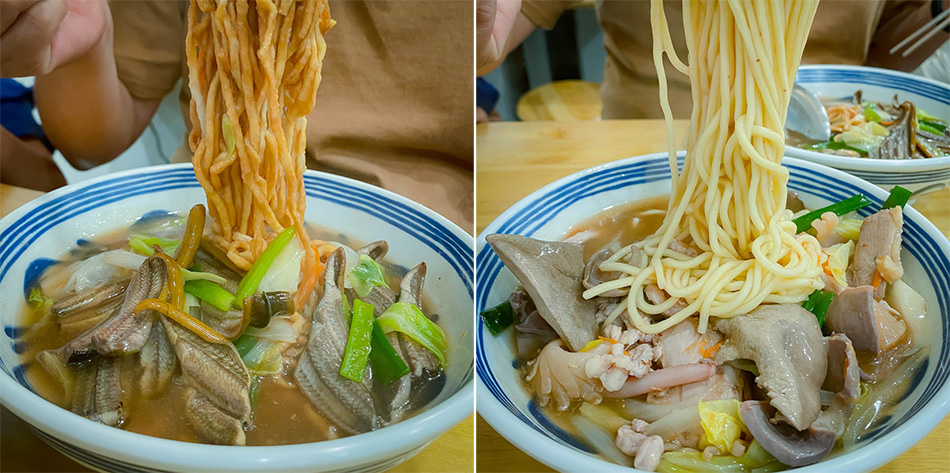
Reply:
x=132, y=261
x=848, y=228
x=872, y=113
x=601, y=440
x=280, y=329
x=264, y=266
x=864, y=137
x=365, y=275
x=262, y=357
x=408, y=319
x=911, y=305
x=283, y=274
x=38, y=301
x=144, y=244
x=838, y=257
x=56, y=367
x=755, y=459
x=722, y=423
x=603, y=416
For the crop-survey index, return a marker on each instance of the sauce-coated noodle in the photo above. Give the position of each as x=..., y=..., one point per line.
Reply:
x=254, y=68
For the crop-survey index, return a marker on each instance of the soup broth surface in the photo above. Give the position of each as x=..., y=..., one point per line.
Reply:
x=635, y=221
x=282, y=413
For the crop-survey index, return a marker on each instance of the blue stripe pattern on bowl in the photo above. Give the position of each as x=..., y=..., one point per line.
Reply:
x=635, y=171
x=921, y=177
x=16, y=238
x=870, y=76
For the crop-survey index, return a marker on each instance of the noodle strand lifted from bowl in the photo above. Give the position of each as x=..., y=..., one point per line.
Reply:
x=254, y=69
x=729, y=202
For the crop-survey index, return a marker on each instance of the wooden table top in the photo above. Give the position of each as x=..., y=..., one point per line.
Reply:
x=515, y=159
x=21, y=450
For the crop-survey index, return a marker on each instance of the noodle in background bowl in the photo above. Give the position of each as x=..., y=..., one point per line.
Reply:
x=549, y=212
x=880, y=85
x=51, y=224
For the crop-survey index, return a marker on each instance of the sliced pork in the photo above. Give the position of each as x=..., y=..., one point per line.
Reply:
x=878, y=251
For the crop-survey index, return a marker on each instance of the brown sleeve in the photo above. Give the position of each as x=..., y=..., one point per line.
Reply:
x=149, y=44
x=544, y=13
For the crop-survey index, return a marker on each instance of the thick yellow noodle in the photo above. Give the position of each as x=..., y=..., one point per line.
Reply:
x=254, y=68
x=729, y=200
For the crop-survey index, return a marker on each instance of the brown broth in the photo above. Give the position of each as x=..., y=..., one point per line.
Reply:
x=282, y=415
x=625, y=224
x=635, y=221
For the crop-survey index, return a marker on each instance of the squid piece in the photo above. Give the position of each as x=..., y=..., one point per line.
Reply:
x=560, y=375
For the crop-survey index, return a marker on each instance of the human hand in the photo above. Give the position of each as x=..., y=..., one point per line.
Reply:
x=494, y=21
x=38, y=36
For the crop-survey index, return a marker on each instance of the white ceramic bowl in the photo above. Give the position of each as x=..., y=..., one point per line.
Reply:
x=880, y=85
x=51, y=224
x=547, y=213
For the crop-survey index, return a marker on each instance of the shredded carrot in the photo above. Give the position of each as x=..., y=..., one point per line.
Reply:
x=312, y=270
x=608, y=339
x=183, y=319
x=709, y=352
x=877, y=279
x=844, y=116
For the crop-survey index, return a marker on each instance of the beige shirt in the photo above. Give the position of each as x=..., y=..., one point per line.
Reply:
x=395, y=105
x=843, y=33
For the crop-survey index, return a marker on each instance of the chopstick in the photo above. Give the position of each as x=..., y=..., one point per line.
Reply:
x=942, y=21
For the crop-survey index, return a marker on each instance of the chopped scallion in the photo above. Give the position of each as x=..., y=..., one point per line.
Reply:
x=387, y=365
x=359, y=342
x=843, y=207
x=210, y=293
x=898, y=196
x=817, y=303
x=498, y=318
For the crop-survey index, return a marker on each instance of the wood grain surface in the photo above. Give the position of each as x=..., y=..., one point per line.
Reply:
x=515, y=159
x=21, y=450
x=564, y=100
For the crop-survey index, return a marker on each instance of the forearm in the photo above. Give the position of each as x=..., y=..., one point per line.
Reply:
x=87, y=113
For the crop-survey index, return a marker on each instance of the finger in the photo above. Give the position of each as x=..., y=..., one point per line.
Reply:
x=25, y=47
x=83, y=27
x=484, y=23
x=481, y=116
x=11, y=9
x=505, y=15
